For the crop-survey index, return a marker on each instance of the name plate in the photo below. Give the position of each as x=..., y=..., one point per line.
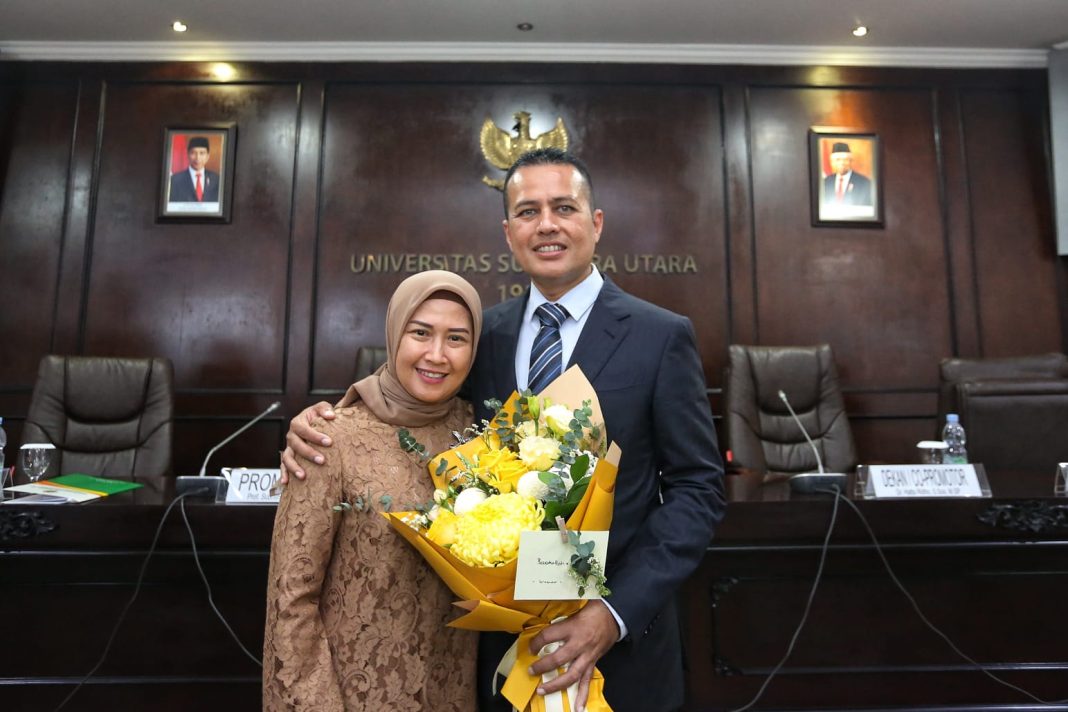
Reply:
x=251, y=486
x=898, y=481
x=541, y=571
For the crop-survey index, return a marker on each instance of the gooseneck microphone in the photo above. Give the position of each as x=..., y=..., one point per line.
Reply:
x=813, y=481
x=212, y=484
x=815, y=450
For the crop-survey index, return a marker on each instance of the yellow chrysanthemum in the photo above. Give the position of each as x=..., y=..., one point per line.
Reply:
x=538, y=453
x=500, y=468
x=488, y=535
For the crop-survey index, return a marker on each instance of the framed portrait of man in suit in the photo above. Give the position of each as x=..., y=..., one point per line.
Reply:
x=845, y=169
x=196, y=180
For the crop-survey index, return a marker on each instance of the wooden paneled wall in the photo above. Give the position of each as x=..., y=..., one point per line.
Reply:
x=350, y=175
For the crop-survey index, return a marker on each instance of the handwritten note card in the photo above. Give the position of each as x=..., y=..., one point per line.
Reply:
x=541, y=572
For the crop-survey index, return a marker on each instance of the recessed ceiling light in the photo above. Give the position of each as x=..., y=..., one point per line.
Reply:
x=860, y=31
x=179, y=26
x=525, y=26
x=223, y=71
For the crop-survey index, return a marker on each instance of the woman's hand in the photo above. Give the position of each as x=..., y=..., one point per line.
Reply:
x=300, y=437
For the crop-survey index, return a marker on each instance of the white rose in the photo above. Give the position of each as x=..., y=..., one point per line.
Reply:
x=539, y=453
x=530, y=485
x=558, y=417
x=440, y=496
x=467, y=500
x=526, y=429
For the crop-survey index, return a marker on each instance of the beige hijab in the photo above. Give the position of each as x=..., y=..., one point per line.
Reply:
x=381, y=391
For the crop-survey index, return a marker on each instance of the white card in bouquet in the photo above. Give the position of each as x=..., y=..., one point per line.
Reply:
x=542, y=569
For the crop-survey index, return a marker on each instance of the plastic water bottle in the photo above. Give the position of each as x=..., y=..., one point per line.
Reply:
x=953, y=434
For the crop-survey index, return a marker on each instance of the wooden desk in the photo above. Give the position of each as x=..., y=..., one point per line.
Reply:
x=995, y=590
x=991, y=573
x=63, y=591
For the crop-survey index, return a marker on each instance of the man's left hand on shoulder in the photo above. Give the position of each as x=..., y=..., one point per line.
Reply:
x=585, y=637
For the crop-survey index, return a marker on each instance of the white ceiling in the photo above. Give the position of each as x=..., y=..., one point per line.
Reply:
x=903, y=32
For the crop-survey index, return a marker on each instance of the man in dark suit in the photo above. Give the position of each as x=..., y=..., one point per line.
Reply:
x=643, y=362
x=196, y=184
x=844, y=186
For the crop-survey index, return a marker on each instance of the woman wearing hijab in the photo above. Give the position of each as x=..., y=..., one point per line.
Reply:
x=355, y=618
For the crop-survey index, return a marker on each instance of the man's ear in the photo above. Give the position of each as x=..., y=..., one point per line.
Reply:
x=507, y=233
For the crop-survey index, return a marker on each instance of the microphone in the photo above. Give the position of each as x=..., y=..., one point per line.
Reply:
x=812, y=481
x=211, y=485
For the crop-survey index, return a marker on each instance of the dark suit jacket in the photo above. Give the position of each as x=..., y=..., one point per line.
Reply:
x=183, y=189
x=643, y=362
x=857, y=190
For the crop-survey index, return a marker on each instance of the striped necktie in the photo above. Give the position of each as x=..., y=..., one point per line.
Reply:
x=546, y=361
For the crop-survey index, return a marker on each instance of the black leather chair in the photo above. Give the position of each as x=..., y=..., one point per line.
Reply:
x=1051, y=368
x=110, y=417
x=368, y=359
x=760, y=432
x=1014, y=410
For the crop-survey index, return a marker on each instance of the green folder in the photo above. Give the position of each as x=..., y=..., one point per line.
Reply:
x=97, y=485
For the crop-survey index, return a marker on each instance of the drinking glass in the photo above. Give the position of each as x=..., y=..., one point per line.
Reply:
x=35, y=459
x=932, y=452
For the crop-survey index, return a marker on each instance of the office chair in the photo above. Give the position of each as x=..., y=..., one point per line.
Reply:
x=1014, y=410
x=109, y=417
x=368, y=359
x=760, y=432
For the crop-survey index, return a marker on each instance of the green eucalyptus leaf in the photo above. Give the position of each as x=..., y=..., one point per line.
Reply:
x=556, y=485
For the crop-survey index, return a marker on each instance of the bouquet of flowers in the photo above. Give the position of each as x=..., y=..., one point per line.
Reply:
x=540, y=463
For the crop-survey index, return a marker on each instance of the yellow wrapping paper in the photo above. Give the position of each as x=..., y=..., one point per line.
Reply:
x=487, y=593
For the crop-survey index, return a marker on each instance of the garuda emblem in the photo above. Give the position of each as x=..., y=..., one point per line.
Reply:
x=502, y=149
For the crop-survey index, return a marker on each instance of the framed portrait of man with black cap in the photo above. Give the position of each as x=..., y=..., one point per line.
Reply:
x=197, y=175
x=846, y=178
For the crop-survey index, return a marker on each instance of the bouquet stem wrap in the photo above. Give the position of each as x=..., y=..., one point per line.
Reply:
x=520, y=658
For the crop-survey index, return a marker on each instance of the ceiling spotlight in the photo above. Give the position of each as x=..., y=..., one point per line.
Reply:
x=525, y=26
x=179, y=26
x=860, y=31
x=223, y=71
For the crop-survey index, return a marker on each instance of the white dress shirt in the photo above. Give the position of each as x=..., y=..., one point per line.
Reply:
x=578, y=302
